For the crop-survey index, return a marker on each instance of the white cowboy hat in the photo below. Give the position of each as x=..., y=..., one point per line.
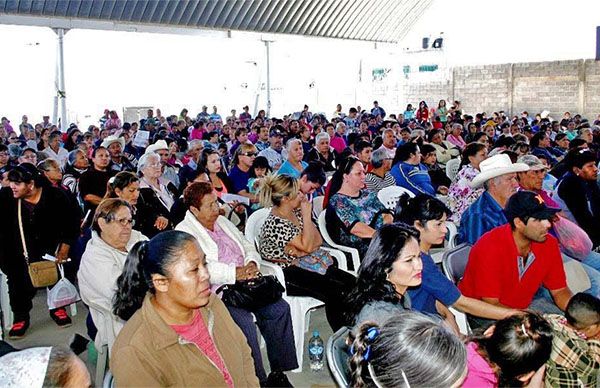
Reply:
x=159, y=145
x=495, y=166
x=113, y=139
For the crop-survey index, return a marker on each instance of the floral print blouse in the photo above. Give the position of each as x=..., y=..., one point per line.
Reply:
x=460, y=193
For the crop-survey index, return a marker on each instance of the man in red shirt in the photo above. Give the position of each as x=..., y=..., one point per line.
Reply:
x=511, y=262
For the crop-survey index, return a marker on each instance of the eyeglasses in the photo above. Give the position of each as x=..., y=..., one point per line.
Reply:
x=125, y=221
x=249, y=154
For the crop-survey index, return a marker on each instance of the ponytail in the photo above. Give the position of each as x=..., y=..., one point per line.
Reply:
x=131, y=284
x=409, y=349
x=274, y=187
x=520, y=344
x=361, y=353
x=145, y=259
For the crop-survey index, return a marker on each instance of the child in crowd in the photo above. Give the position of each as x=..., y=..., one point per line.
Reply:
x=575, y=357
x=260, y=168
x=511, y=353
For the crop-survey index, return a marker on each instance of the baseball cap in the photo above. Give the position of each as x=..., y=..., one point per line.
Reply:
x=275, y=132
x=526, y=203
x=533, y=162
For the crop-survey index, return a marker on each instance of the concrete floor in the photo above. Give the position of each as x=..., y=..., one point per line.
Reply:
x=44, y=332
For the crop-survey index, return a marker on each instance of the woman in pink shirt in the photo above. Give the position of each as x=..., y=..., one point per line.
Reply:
x=455, y=137
x=511, y=353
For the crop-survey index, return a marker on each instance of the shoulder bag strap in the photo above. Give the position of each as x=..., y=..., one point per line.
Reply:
x=25, y=254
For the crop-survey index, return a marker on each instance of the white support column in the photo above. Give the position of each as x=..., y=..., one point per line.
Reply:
x=267, y=45
x=61, y=92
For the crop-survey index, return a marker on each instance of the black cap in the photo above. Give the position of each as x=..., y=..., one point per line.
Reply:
x=275, y=132
x=525, y=203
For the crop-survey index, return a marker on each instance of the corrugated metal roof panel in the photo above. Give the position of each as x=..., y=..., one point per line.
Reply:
x=371, y=20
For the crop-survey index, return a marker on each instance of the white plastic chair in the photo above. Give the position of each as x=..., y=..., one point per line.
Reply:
x=317, y=206
x=452, y=168
x=7, y=315
x=300, y=306
x=352, y=251
x=389, y=196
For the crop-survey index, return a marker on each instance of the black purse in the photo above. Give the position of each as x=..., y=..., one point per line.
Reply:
x=252, y=294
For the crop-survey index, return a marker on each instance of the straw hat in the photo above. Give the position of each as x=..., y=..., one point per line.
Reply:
x=495, y=166
x=113, y=139
x=159, y=145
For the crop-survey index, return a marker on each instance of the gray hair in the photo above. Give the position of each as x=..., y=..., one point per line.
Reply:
x=388, y=130
x=73, y=155
x=144, y=160
x=457, y=125
x=339, y=124
x=291, y=142
x=411, y=349
x=495, y=181
x=378, y=157
x=194, y=143
x=417, y=132
x=322, y=135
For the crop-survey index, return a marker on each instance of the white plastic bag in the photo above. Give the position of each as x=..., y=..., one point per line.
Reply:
x=63, y=293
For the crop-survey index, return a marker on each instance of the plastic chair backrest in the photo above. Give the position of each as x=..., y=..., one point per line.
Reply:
x=338, y=356
x=317, y=204
x=452, y=234
x=452, y=168
x=255, y=222
x=455, y=261
x=389, y=196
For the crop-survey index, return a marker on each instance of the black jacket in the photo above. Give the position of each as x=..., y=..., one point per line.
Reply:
x=50, y=222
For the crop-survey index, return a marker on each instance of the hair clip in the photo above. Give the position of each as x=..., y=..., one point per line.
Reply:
x=524, y=330
x=111, y=180
x=372, y=333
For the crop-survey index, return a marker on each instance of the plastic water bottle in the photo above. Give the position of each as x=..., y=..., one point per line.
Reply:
x=315, y=352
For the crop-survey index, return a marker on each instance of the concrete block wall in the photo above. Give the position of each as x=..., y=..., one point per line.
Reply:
x=557, y=86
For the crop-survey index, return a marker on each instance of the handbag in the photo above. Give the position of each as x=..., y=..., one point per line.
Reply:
x=318, y=261
x=252, y=294
x=42, y=273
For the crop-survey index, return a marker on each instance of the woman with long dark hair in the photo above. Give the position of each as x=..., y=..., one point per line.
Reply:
x=210, y=161
x=422, y=113
x=391, y=265
x=177, y=332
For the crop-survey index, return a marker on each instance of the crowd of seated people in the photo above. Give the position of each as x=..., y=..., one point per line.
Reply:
x=152, y=233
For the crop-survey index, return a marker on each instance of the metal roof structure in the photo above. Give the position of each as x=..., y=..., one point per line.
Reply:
x=367, y=20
